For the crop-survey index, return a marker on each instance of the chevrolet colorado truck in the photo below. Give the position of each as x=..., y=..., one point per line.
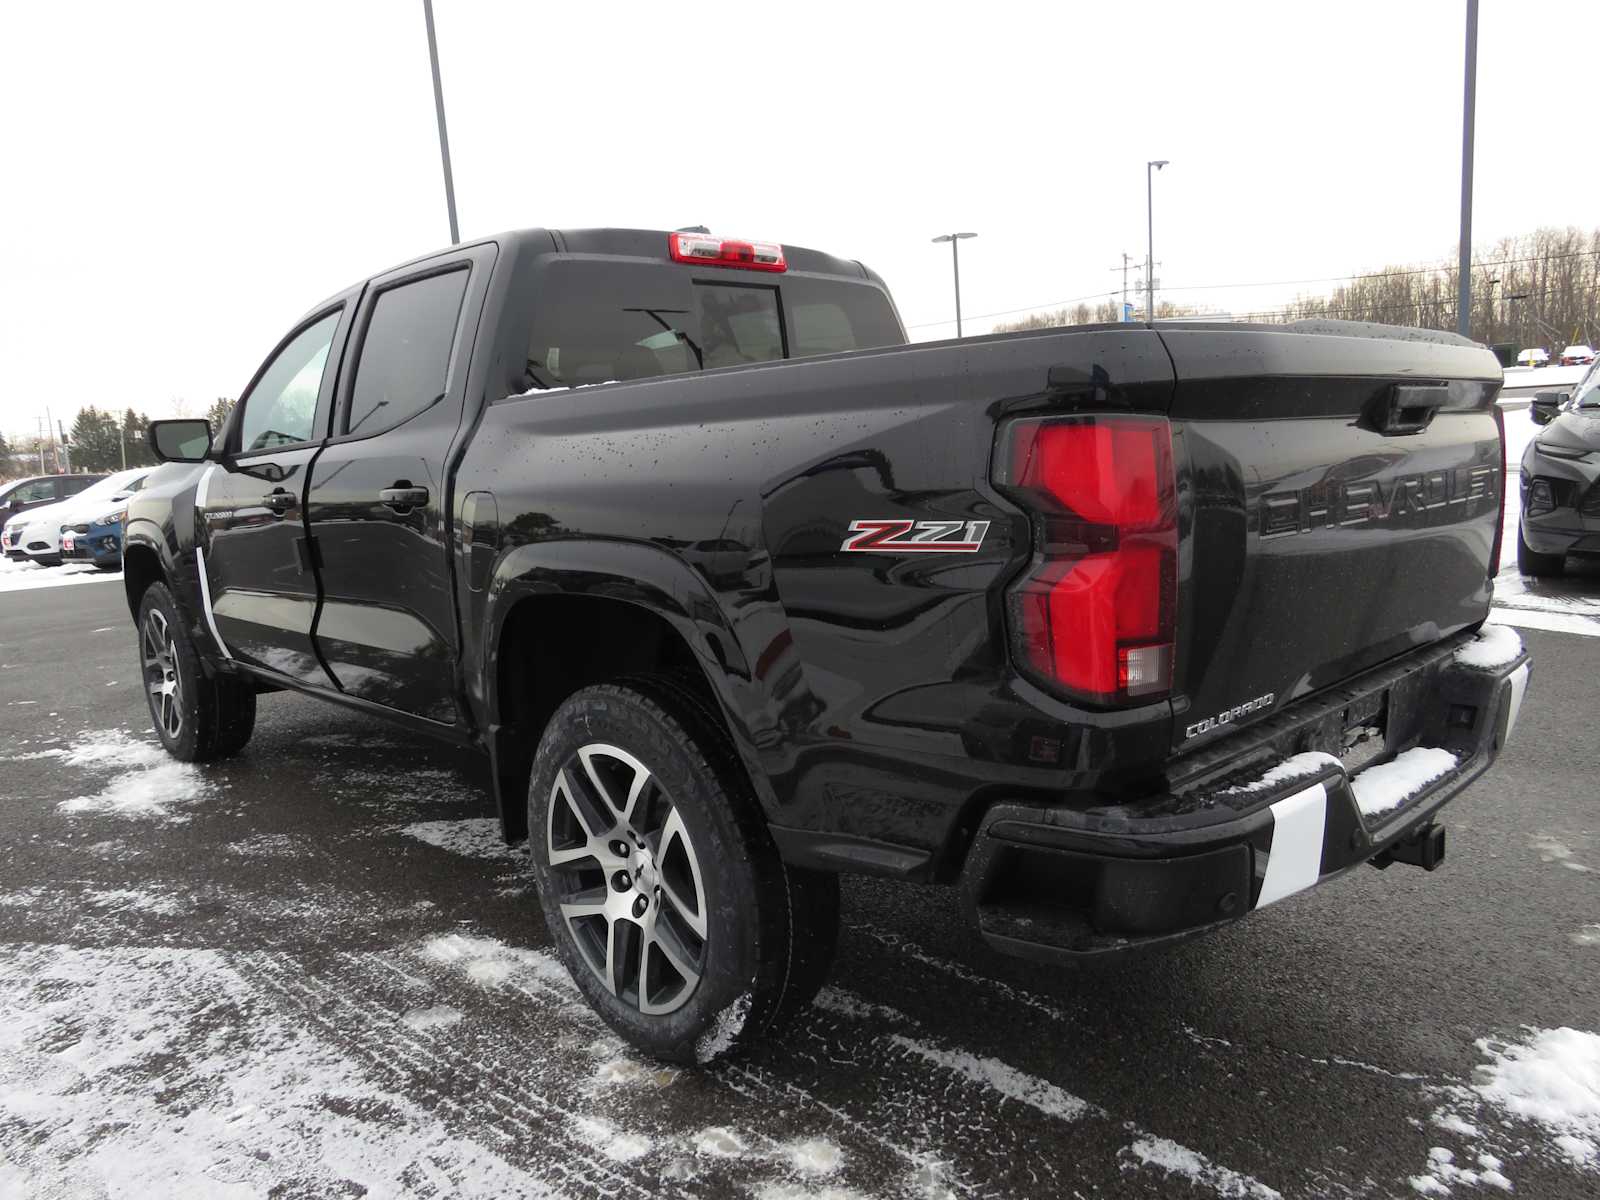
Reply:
x=1126, y=631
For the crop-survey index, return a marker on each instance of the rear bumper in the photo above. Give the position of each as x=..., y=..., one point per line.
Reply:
x=1063, y=882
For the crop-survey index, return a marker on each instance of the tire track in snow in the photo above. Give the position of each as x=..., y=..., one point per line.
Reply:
x=519, y=1118
x=806, y=1116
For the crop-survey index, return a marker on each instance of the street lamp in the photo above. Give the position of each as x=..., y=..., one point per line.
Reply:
x=955, y=262
x=1150, y=230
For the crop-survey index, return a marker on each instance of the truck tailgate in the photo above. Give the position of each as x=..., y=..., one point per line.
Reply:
x=1341, y=491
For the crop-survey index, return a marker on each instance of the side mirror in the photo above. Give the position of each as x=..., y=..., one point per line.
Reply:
x=1546, y=407
x=186, y=440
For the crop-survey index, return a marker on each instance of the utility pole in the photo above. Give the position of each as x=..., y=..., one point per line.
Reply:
x=438, y=108
x=1150, y=232
x=38, y=430
x=1126, y=259
x=66, y=446
x=50, y=428
x=1468, y=109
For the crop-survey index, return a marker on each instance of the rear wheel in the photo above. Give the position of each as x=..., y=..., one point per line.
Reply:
x=661, y=887
x=1531, y=562
x=198, y=719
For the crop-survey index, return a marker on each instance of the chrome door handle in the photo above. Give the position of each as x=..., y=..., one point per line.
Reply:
x=403, y=497
x=280, y=501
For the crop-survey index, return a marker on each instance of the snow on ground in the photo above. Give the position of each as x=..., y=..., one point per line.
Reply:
x=147, y=1072
x=1553, y=850
x=151, y=783
x=475, y=837
x=1184, y=1162
x=26, y=576
x=1387, y=786
x=1547, y=1080
x=1552, y=1078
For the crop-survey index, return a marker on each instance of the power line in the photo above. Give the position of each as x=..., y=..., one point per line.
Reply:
x=1206, y=287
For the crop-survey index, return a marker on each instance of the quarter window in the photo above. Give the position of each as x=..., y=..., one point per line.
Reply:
x=406, y=352
x=281, y=409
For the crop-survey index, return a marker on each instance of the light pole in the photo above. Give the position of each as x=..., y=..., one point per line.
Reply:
x=1150, y=168
x=438, y=108
x=955, y=262
x=1469, y=104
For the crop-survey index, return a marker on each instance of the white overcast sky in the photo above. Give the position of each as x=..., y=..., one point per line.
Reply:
x=182, y=180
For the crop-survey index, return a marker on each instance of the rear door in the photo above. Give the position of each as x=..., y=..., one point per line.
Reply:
x=259, y=582
x=378, y=504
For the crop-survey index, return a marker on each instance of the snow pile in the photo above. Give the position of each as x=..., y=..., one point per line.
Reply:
x=1389, y=785
x=1298, y=766
x=1495, y=646
x=1443, y=1174
x=1174, y=1159
x=153, y=785
x=1553, y=1079
x=476, y=837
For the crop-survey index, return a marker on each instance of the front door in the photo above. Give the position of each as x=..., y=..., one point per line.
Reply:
x=378, y=504
x=260, y=585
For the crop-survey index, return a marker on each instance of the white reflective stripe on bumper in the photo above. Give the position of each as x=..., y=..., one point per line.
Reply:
x=1295, y=861
x=1519, y=685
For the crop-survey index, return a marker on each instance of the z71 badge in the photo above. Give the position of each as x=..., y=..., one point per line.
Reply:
x=911, y=537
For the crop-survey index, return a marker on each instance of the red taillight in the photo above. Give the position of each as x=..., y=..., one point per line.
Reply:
x=725, y=252
x=1094, y=614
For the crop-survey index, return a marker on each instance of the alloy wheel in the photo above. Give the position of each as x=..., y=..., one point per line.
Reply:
x=628, y=879
x=159, y=653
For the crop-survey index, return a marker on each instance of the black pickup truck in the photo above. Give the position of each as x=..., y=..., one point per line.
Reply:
x=1125, y=630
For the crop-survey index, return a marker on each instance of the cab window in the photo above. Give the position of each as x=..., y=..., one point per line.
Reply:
x=281, y=409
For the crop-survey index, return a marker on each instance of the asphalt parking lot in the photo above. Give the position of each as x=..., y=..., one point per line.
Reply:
x=312, y=971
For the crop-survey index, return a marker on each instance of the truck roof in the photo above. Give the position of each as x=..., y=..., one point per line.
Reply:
x=630, y=243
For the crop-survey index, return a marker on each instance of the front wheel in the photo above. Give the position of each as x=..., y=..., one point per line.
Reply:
x=1531, y=562
x=198, y=718
x=660, y=884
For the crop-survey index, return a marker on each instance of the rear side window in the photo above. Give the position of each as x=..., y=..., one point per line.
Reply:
x=405, y=354
x=73, y=486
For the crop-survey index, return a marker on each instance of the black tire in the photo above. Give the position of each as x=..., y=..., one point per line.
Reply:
x=694, y=825
x=1531, y=562
x=198, y=718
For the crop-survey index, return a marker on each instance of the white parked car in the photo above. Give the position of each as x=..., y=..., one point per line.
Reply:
x=37, y=532
x=1577, y=356
x=1533, y=358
